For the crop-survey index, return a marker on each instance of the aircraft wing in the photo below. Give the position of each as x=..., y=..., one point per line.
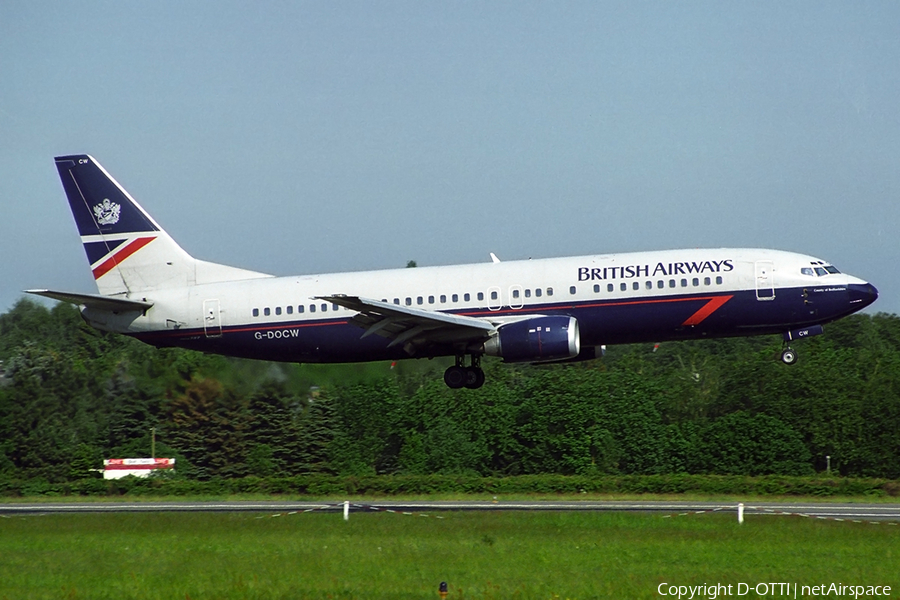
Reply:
x=407, y=325
x=97, y=301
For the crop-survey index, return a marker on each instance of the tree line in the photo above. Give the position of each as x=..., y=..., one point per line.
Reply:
x=71, y=396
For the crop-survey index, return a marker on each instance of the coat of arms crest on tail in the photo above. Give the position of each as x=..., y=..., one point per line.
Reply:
x=107, y=212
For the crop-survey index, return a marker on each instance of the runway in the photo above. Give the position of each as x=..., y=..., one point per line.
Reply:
x=821, y=510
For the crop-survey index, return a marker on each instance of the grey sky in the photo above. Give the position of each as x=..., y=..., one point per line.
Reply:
x=313, y=137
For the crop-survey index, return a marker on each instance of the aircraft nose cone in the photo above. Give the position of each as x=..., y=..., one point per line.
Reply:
x=862, y=295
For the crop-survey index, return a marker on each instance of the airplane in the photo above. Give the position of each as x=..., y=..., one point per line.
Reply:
x=533, y=311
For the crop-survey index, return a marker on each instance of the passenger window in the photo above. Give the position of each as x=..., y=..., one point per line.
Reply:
x=430, y=299
x=493, y=295
x=300, y=308
x=538, y=292
x=255, y=312
x=596, y=288
x=719, y=280
x=277, y=310
x=455, y=297
x=466, y=297
x=648, y=285
x=312, y=308
x=324, y=307
x=684, y=283
x=515, y=293
x=671, y=283
x=443, y=298
x=290, y=310
x=409, y=301
x=623, y=286
x=706, y=281
x=420, y=300
x=572, y=290
x=549, y=291
x=481, y=295
x=635, y=286
x=610, y=287
x=660, y=284
x=696, y=282
x=397, y=301
x=334, y=307
x=266, y=311
x=528, y=293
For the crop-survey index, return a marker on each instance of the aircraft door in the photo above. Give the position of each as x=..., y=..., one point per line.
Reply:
x=765, y=280
x=212, y=319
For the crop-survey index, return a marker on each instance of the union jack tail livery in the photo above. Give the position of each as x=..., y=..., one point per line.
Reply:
x=129, y=253
x=127, y=250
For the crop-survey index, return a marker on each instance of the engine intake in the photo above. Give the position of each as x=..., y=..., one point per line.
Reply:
x=536, y=340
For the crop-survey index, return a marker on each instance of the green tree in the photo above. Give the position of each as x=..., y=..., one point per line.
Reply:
x=745, y=444
x=206, y=425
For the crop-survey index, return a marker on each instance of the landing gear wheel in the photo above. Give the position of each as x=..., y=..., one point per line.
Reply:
x=474, y=378
x=459, y=375
x=788, y=356
x=456, y=377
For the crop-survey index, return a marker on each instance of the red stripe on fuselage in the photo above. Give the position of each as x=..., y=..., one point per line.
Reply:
x=707, y=309
x=197, y=333
x=111, y=263
x=713, y=303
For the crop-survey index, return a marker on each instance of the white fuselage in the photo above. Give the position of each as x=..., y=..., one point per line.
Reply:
x=616, y=297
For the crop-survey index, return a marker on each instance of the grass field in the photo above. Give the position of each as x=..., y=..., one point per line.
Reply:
x=382, y=555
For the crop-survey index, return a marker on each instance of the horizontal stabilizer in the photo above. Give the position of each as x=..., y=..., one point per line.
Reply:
x=95, y=301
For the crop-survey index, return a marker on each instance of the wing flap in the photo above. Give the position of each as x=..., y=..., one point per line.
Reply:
x=405, y=325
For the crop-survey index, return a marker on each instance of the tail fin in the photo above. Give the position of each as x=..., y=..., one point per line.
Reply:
x=127, y=250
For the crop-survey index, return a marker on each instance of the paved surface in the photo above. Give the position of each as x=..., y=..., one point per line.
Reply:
x=827, y=510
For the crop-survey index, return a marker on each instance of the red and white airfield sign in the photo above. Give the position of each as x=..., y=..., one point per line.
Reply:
x=115, y=468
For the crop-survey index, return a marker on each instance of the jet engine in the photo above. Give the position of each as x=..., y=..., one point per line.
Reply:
x=536, y=340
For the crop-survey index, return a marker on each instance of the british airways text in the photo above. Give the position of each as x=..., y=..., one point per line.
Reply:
x=676, y=268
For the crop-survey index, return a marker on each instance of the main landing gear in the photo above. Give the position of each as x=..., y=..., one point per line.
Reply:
x=459, y=375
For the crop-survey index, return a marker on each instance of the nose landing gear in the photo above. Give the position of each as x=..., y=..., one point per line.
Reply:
x=788, y=356
x=459, y=375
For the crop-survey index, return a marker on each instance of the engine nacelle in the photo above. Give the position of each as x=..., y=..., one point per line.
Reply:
x=536, y=340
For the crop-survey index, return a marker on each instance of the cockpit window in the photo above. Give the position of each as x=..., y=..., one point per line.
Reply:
x=819, y=271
